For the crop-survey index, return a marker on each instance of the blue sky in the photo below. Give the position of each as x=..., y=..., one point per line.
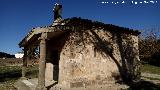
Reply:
x=17, y=17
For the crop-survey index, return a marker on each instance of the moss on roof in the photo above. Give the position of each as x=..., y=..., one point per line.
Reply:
x=78, y=21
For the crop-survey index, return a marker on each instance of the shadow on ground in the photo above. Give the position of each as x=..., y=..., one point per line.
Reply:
x=8, y=73
x=11, y=75
x=144, y=85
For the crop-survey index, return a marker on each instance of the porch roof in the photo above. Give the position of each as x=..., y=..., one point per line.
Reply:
x=33, y=36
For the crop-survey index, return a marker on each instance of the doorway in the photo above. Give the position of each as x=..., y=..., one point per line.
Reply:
x=55, y=61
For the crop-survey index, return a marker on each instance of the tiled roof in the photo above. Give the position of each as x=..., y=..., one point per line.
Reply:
x=95, y=24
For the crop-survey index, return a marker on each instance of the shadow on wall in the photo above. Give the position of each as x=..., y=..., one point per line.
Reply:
x=129, y=67
x=128, y=55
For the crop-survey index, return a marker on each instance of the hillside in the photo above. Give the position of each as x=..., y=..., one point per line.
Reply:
x=3, y=54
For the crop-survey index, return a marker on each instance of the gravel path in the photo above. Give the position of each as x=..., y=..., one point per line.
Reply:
x=150, y=75
x=155, y=80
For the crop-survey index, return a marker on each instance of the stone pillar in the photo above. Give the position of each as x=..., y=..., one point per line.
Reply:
x=136, y=60
x=24, y=66
x=42, y=64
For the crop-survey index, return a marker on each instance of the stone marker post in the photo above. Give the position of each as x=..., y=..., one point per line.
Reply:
x=24, y=66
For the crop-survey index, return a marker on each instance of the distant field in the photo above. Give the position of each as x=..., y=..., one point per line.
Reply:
x=10, y=61
x=16, y=61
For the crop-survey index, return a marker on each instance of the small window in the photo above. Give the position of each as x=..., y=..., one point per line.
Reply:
x=95, y=51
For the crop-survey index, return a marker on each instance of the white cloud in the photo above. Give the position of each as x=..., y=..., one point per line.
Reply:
x=102, y=2
x=132, y=2
x=145, y=2
x=135, y=2
x=152, y=1
x=123, y=2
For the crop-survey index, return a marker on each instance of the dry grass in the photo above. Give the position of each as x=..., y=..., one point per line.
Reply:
x=10, y=74
x=150, y=69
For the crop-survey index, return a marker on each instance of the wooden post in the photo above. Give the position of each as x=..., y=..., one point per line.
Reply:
x=42, y=63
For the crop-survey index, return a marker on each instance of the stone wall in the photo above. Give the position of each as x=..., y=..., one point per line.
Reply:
x=95, y=57
x=85, y=63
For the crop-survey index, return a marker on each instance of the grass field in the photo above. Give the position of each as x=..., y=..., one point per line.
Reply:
x=10, y=74
x=150, y=69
